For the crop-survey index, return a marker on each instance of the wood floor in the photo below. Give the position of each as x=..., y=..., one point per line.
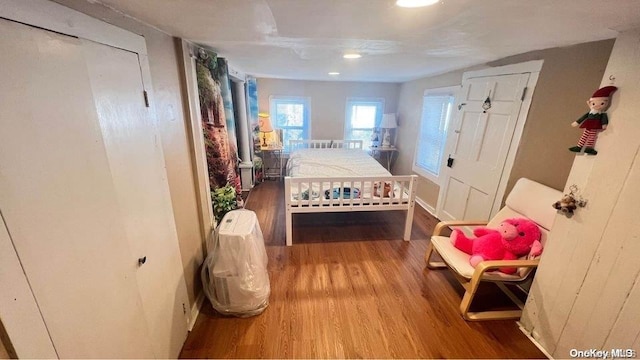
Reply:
x=349, y=288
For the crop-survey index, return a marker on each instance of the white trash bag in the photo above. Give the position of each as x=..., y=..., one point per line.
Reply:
x=234, y=274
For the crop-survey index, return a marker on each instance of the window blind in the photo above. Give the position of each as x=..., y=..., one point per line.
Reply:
x=436, y=111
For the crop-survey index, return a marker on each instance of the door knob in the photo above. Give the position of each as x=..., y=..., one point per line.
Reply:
x=450, y=161
x=142, y=260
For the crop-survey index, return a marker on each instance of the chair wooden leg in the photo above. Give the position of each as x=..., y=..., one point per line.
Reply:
x=484, y=315
x=494, y=315
x=433, y=264
x=469, y=294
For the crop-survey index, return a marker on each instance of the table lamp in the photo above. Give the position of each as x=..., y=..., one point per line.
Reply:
x=264, y=123
x=388, y=122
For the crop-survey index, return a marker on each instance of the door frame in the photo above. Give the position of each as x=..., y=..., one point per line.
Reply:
x=193, y=118
x=533, y=68
x=28, y=333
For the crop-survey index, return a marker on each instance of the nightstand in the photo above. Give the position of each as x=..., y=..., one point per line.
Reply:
x=272, y=162
x=386, y=154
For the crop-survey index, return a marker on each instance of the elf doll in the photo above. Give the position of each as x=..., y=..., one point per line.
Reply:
x=594, y=121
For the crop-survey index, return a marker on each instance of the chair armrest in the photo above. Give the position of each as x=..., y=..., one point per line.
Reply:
x=445, y=224
x=485, y=266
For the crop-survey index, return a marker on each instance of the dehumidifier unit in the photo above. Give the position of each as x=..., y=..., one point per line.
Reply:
x=234, y=274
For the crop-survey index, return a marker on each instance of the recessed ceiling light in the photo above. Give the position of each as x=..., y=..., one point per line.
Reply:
x=334, y=73
x=415, y=3
x=352, y=56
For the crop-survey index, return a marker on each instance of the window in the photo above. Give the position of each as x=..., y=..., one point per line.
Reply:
x=363, y=116
x=291, y=115
x=437, y=108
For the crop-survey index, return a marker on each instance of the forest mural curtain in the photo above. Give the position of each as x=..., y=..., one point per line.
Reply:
x=252, y=104
x=218, y=123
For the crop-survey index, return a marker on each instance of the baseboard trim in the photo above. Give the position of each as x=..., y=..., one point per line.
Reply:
x=430, y=209
x=195, y=310
x=533, y=340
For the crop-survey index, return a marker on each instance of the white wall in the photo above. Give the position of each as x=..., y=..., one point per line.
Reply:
x=586, y=293
x=328, y=100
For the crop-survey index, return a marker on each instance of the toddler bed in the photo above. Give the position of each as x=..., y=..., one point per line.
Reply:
x=339, y=176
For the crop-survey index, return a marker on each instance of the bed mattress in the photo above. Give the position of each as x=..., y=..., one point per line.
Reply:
x=333, y=163
x=337, y=163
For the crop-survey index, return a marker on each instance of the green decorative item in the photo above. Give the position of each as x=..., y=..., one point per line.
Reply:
x=224, y=200
x=595, y=121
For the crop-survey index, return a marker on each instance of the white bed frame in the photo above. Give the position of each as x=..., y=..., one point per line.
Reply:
x=405, y=200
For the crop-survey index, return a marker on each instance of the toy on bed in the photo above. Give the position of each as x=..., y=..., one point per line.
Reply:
x=387, y=192
x=305, y=195
x=346, y=193
x=512, y=239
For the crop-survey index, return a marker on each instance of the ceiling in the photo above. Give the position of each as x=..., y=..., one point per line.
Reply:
x=305, y=39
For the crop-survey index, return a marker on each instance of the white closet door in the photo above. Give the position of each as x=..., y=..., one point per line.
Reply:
x=137, y=168
x=19, y=313
x=59, y=200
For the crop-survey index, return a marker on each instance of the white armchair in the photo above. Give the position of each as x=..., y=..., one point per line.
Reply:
x=528, y=199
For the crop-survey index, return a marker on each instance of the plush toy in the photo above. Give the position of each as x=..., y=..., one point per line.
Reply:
x=566, y=205
x=594, y=121
x=512, y=239
x=385, y=193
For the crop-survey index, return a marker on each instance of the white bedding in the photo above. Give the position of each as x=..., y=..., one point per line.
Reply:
x=331, y=163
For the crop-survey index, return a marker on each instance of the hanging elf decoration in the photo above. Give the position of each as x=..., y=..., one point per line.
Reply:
x=594, y=121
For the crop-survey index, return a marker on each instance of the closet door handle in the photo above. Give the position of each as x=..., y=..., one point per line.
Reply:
x=142, y=260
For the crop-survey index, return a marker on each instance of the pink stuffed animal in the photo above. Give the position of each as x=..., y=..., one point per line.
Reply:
x=512, y=239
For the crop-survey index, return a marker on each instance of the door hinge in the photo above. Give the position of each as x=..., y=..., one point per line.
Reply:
x=146, y=98
x=524, y=92
x=184, y=308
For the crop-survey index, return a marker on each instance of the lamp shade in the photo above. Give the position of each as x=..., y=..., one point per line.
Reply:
x=389, y=121
x=264, y=122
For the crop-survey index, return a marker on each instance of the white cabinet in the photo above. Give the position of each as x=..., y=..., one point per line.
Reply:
x=84, y=194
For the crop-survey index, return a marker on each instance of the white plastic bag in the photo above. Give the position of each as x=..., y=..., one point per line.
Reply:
x=234, y=274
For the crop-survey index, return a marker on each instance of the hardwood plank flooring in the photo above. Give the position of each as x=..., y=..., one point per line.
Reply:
x=350, y=288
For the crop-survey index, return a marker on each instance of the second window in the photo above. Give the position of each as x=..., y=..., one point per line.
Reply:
x=363, y=116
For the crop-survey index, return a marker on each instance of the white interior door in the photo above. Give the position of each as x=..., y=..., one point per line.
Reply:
x=479, y=145
x=19, y=314
x=139, y=176
x=59, y=202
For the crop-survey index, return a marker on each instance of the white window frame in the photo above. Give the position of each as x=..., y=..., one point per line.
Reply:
x=443, y=91
x=361, y=100
x=305, y=101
